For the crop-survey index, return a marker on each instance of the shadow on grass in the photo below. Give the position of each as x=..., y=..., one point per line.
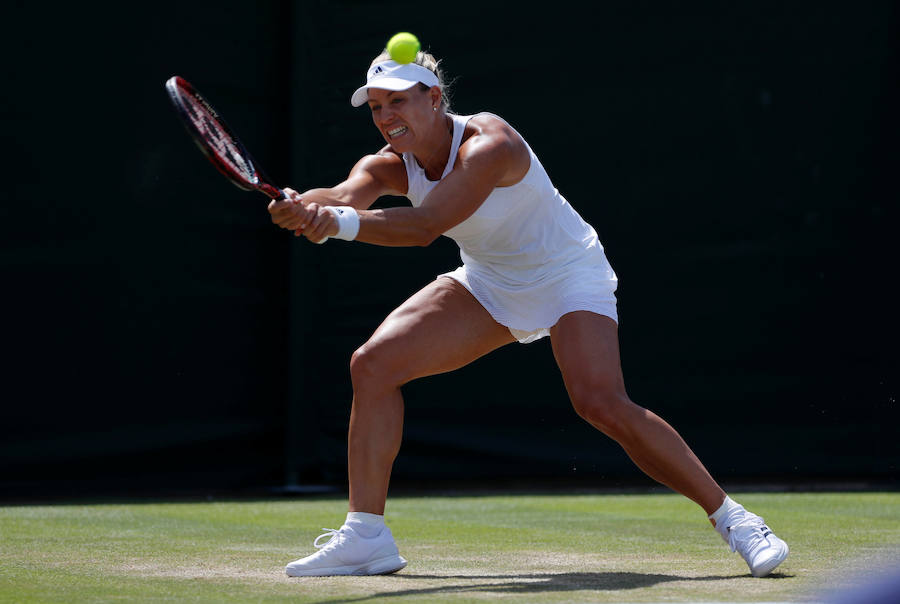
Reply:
x=534, y=583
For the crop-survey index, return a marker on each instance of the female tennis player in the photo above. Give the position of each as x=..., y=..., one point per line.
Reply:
x=531, y=268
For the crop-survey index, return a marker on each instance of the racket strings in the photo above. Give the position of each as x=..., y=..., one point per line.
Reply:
x=221, y=143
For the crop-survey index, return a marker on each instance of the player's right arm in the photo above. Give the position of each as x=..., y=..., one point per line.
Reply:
x=372, y=177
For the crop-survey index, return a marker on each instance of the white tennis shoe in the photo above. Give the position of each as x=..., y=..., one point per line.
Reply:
x=348, y=553
x=748, y=535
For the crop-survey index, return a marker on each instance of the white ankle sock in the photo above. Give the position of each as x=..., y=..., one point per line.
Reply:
x=367, y=525
x=727, y=506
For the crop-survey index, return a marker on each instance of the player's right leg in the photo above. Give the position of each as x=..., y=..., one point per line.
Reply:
x=439, y=329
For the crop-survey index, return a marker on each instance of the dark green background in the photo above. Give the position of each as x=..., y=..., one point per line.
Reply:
x=739, y=162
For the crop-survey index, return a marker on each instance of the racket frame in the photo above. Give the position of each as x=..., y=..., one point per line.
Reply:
x=176, y=86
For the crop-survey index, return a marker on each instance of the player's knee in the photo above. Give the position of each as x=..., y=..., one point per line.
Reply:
x=362, y=365
x=370, y=367
x=606, y=408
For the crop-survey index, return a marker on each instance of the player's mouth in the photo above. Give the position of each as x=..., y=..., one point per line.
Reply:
x=398, y=131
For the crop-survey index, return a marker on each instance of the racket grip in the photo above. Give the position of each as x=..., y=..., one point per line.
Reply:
x=271, y=191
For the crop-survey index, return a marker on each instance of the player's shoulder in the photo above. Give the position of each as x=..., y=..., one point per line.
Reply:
x=490, y=137
x=385, y=156
x=490, y=127
x=385, y=166
x=486, y=122
x=385, y=159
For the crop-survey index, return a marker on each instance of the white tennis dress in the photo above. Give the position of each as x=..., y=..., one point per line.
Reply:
x=528, y=257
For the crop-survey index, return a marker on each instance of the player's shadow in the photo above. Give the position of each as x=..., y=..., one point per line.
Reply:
x=533, y=583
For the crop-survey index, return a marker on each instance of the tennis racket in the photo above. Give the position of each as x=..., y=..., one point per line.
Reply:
x=217, y=141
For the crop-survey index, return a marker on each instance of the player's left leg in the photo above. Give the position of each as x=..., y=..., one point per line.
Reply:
x=586, y=348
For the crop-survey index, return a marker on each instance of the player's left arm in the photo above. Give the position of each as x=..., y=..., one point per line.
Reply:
x=494, y=155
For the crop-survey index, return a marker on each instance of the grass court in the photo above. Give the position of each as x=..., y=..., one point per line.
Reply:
x=510, y=548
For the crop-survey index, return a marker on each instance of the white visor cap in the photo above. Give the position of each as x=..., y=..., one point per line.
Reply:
x=390, y=75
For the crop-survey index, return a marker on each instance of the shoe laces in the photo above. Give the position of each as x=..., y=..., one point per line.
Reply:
x=333, y=538
x=748, y=534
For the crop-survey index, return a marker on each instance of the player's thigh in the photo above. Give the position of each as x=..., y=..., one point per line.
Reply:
x=586, y=348
x=440, y=328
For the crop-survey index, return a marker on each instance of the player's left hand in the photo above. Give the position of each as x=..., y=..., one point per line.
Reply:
x=322, y=224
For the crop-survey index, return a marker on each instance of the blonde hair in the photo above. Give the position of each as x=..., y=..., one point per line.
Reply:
x=426, y=60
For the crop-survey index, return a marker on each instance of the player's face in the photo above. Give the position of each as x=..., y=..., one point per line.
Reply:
x=403, y=117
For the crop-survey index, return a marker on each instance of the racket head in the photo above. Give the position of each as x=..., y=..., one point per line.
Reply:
x=215, y=139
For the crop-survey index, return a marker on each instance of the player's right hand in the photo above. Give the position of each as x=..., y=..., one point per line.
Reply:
x=308, y=219
x=291, y=213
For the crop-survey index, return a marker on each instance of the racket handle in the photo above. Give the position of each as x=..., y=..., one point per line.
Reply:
x=271, y=191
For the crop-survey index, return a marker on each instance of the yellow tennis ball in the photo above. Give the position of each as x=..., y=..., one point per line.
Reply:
x=403, y=47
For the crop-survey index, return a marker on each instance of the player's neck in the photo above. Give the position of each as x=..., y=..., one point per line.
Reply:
x=434, y=158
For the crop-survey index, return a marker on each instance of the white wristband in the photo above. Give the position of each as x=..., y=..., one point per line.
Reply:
x=347, y=220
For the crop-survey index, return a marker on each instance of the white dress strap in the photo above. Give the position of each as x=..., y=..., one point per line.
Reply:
x=418, y=185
